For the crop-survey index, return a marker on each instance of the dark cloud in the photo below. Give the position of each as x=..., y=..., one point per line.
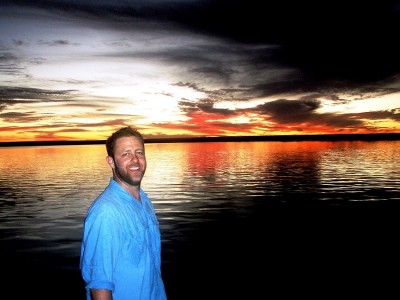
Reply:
x=302, y=113
x=336, y=40
x=289, y=111
x=54, y=43
x=14, y=95
x=392, y=114
x=17, y=117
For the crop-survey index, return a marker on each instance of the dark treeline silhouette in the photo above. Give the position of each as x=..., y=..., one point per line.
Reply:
x=197, y=139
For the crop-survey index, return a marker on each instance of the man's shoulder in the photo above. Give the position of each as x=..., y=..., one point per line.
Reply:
x=107, y=200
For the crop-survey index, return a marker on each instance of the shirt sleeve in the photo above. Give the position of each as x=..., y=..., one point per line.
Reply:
x=101, y=243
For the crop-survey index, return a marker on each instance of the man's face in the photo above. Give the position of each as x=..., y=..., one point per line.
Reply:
x=129, y=163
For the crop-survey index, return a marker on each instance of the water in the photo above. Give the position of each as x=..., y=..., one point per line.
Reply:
x=251, y=219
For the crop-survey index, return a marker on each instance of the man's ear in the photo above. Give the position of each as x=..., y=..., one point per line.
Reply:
x=110, y=161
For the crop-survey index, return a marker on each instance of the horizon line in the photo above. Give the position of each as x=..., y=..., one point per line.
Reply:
x=288, y=138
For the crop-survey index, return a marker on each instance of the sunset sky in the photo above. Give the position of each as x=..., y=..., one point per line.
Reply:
x=77, y=70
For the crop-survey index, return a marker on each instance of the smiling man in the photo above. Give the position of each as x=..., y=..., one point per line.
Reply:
x=121, y=246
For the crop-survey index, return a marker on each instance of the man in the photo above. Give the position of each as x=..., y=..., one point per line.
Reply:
x=121, y=245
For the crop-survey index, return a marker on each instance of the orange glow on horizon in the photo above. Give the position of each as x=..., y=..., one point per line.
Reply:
x=102, y=135
x=199, y=124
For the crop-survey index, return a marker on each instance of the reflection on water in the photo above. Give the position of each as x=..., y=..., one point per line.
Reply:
x=207, y=176
x=212, y=199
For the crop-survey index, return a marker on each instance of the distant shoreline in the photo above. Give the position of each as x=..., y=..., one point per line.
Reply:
x=272, y=138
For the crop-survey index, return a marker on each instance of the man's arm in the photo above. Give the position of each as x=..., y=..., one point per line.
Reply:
x=99, y=294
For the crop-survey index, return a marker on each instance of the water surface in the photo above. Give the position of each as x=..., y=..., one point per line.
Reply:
x=237, y=218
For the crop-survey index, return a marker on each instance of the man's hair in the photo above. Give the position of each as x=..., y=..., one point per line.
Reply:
x=122, y=132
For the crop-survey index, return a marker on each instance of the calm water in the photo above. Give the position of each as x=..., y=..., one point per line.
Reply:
x=254, y=219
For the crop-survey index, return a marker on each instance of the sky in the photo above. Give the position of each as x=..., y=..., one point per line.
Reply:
x=78, y=70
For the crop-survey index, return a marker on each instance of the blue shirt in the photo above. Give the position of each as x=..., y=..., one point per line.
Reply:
x=121, y=246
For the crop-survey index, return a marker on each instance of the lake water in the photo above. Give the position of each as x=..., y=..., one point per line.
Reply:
x=255, y=220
